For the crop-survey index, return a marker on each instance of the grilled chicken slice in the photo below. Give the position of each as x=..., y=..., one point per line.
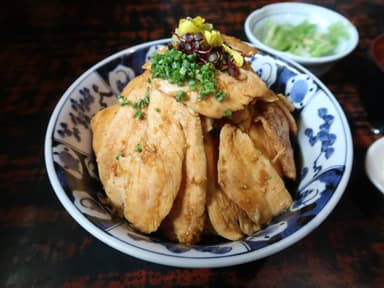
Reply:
x=248, y=178
x=240, y=92
x=185, y=222
x=270, y=132
x=106, y=151
x=225, y=217
x=140, y=161
x=270, y=125
x=111, y=128
x=287, y=108
x=155, y=174
x=239, y=45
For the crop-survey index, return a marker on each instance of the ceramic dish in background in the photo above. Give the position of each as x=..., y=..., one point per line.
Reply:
x=374, y=163
x=324, y=153
x=377, y=51
x=295, y=13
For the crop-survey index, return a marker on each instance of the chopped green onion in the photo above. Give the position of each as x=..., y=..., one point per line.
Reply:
x=227, y=113
x=141, y=104
x=138, y=148
x=147, y=98
x=183, y=69
x=138, y=114
x=192, y=84
x=180, y=96
x=123, y=101
x=220, y=96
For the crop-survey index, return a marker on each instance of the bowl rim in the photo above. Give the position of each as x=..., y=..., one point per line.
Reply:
x=180, y=261
x=294, y=6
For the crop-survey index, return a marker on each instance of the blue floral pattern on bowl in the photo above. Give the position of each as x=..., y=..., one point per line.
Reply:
x=325, y=153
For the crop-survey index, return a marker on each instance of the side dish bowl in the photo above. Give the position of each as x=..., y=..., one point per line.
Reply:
x=377, y=51
x=374, y=164
x=295, y=13
x=324, y=151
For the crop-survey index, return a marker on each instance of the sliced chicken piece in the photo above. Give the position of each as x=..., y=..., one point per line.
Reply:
x=248, y=178
x=207, y=124
x=287, y=108
x=185, y=222
x=155, y=173
x=225, y=217
x=140, y=161
x=270, y=125
x=136, y=89
x=117, y=139
x=271, y=132
x=264, y=143
x=99, y=126
x=239, y=45
x=239, y=93
x=112, y=129
x=106, y=151
x=243, y=118
x=219, y=207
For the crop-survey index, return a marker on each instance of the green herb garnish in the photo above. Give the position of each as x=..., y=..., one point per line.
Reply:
x=138, y=148
x=183, y=69
x=136, y=105
x=227, y=113
x=180, y=96
x=138, y=114
x=220, y=96
x=139, y=105
x=123, y=101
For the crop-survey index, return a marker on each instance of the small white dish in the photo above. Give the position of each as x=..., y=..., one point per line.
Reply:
x=374, y=163
x=377, y=51
x=295, y=13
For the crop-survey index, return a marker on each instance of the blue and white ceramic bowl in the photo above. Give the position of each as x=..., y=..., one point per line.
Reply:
x=324, y=150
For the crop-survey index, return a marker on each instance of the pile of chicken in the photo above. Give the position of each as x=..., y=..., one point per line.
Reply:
x=184, y=169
